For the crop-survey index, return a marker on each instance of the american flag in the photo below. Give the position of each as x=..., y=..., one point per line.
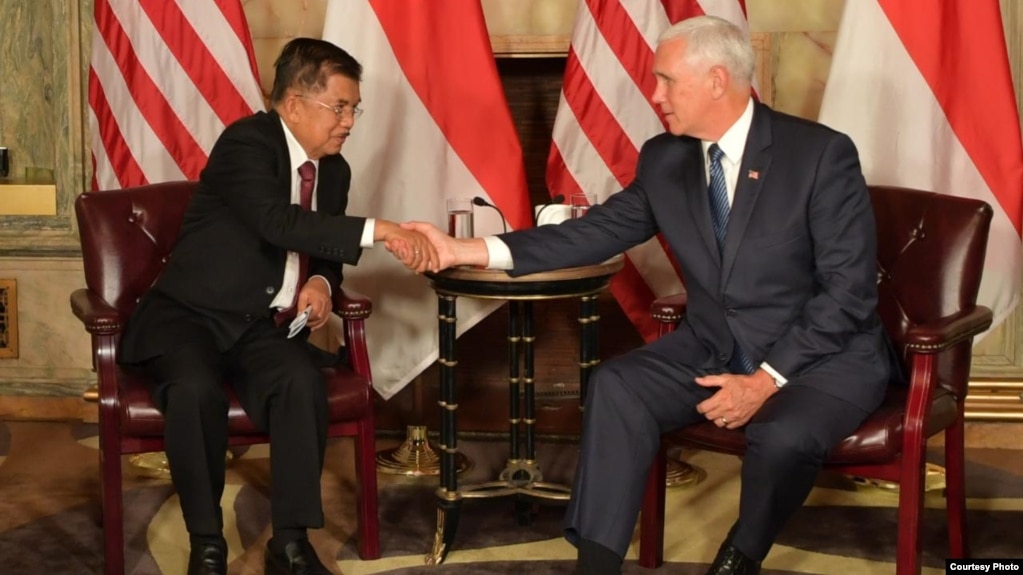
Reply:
x=165, y=79
x=604, y=116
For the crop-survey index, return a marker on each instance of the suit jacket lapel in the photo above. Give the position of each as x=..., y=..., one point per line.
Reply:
x=694, y=186
x=756, y=160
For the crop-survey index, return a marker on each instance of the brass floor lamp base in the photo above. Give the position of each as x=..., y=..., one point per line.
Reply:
x=414, y=457
x=934, y=480
x=682, y=474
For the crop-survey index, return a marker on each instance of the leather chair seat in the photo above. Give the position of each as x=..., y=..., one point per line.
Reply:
x=348, y=397
x=877, y=440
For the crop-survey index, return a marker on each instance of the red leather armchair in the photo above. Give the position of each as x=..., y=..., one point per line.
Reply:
x=930, y=259
x=126, y=237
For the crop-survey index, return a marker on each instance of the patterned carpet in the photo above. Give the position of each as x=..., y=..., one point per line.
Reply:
x=49, y=516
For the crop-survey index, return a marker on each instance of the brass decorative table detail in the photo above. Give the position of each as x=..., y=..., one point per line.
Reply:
x=521, y=477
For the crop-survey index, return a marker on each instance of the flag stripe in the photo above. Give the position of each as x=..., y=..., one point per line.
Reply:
x=450, y=74
x=165, y=79
x=598, y=123
x=211, y=83
x=627, y=43
x=138, y=145
x=955, y=67
x=111, y=142
x=165, y=123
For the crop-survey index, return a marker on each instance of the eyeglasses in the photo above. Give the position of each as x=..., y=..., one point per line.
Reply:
x=340, y=111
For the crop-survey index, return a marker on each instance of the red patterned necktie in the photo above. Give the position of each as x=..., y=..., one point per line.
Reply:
x=307, y=174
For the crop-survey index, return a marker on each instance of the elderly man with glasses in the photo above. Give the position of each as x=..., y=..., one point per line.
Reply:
x=264, y=237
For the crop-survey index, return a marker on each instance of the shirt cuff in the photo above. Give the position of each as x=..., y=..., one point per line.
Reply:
x=500, y=255
x=330, y=291
x=370, y=228
x=778, y=379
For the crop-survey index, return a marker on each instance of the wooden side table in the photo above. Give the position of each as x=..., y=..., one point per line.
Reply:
x=521, y=476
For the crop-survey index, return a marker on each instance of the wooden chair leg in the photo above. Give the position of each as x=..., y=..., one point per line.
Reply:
x=113, y=516
x=911, y=507
x=955, y=491
x=366, y=477
x=651, y=519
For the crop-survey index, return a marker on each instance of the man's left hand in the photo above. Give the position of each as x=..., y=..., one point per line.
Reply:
x=316, y=295
x=738, y=399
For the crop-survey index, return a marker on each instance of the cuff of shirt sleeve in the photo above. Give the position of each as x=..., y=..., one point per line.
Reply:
x=779, y=380
x=500, y=255
x=366, y=241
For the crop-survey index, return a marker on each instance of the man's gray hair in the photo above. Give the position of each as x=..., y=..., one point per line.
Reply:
x=715, y=41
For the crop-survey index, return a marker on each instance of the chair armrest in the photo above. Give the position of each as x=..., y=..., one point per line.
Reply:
x=669, y=309
x=351, y=305
x=354, y=308
x=934, y=337
x=99, y=317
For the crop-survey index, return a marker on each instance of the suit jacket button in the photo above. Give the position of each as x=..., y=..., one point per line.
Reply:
x=249, y=317
x=731, y=312
x=722, y=357
x=270, y=290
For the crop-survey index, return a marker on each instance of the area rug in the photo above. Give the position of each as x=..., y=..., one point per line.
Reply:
x=49, y=515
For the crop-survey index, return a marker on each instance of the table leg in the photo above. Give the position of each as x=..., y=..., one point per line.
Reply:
x=449, y=499
x=589, y=345
x=514, y=418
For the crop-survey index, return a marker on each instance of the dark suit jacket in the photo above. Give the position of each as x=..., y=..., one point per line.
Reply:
x=796, y=284
x=228, y=263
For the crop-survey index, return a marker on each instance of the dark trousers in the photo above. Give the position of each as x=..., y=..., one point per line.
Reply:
x=635, y=398
x=280, y=389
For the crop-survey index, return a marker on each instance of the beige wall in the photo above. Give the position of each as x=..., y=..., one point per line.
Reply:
x=44, y=49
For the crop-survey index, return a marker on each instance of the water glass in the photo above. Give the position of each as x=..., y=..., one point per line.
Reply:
x=581, y=203
x=460, y=220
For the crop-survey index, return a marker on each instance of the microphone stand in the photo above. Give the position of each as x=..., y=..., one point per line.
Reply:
x=482, y=202
x=555, y=200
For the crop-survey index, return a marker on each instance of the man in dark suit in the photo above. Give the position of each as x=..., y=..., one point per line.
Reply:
x=770, y=220
x=264, y=235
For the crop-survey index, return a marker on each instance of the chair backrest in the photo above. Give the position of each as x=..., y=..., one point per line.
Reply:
x=127, y=236
x=930, y=258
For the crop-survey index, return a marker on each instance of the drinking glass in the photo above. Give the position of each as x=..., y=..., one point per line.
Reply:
x=581, y=203
x=460, y=220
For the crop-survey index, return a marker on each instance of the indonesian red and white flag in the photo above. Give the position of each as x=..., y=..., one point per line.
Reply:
x=165, y=79
x=604, y=116
x=924, y=90
x=436, y=126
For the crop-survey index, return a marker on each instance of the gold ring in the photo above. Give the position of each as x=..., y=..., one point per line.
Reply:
x=724, y=421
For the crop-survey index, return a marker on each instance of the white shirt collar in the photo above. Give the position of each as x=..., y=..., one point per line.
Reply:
x=733, y=141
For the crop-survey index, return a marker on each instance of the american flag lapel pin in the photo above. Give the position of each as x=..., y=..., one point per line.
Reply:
x=753, y=175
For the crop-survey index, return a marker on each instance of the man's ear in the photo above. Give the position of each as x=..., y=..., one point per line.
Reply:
x=720, y=80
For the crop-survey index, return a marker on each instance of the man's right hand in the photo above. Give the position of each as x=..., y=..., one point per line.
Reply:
x=452, y=251
x=411, y=247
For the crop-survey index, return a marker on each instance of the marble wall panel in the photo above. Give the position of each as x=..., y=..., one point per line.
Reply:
x=54, y=349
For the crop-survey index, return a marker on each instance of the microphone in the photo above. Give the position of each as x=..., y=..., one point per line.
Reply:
x=555, y=200
x=479, y=201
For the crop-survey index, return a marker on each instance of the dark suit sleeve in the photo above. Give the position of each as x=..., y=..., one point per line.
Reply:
x=842, y=229
x=623, y=221
x=245, y=171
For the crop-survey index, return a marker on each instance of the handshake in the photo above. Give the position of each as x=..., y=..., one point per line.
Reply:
x=422, y=246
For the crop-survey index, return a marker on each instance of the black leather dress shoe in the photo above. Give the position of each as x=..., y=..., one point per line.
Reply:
x=298, y=558
x=731, y=561
x=208, y=559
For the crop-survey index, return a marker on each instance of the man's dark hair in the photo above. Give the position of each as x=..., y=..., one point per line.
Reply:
x=306, y=63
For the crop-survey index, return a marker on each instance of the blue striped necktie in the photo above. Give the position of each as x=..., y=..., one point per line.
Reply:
x=719, y=208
